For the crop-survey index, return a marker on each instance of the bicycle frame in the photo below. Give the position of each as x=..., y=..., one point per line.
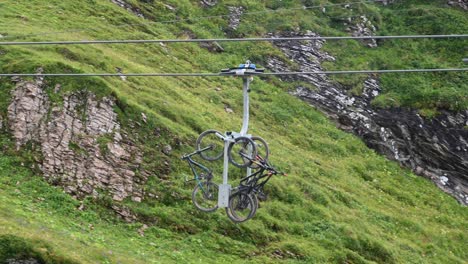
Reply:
x=193, y=165
x=251, y=182
x=255, y=181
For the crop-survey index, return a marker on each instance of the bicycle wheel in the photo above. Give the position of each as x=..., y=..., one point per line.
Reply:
x=214, y=139
x=242, y=207
x=241, y=151
x=205, y=196
x=262, y=149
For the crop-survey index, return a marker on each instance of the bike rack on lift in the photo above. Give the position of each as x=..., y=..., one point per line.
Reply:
x=246, y=71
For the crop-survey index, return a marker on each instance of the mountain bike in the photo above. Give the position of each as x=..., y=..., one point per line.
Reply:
x=243, y=202
x=205, y=193
x=249, y=146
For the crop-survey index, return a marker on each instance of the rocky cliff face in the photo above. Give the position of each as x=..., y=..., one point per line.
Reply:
x=80, y=140
x=436, y=148
x=459, y=3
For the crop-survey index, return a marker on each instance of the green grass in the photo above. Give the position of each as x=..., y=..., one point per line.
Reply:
x=432, y=91
x=341, y=202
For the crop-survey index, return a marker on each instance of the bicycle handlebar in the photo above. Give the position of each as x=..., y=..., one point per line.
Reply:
x=273, y=171
x=264, y=164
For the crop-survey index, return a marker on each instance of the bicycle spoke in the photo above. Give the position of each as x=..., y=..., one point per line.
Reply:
x=262, y=150
x=213, y=139
x=205, y=196
x=242, y=207
x=241, y=151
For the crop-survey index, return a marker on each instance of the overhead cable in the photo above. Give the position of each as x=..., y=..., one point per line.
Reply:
x=368, y=71
x=220, y=74
x=138, y=41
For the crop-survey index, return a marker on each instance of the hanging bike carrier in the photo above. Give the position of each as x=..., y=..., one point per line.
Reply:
x=246, y=71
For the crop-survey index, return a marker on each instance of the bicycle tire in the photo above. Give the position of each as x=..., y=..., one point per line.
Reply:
x=256, y=203
x=242, y=145
x=262, y=149
x=205, y=196
x=241, y=208
x=210, y=138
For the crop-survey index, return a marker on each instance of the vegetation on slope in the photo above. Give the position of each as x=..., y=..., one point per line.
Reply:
x=341, y=203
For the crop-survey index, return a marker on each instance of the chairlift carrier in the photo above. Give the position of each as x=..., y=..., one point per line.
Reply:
x=246, y=71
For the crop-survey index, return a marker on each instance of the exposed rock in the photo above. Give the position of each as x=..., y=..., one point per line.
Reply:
x=119, y=71
x=125, y=213
x=212, y=46
x=128, y=7
x=157, y=132
x=228, y=109
x=141, y=230
x=22, y=261
x=209, y=3
x=362, y=26
x=169, y=7
x=235, y=13
x=308, y=56
x=436, y=149
x=27, y=111
x=16, y=79
x=167, y=150
x=57, y=88
x=80, y=142
x=460, y=3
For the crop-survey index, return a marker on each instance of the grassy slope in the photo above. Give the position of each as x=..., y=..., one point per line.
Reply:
x=340, y=203
x=426, y=91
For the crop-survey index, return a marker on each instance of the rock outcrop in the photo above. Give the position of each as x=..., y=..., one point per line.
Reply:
x=30, y=106
x=129, y=7
x=459, y=3
x=235, y=14
x=80, y=141
x=209, y=3
x=436, y=148
x=362, y=26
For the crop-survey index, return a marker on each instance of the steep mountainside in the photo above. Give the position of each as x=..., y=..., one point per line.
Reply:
x=90, y=169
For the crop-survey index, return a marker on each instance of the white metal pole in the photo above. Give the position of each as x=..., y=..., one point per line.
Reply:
x=245, y=120
x=226, y=162
x=225, y=188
